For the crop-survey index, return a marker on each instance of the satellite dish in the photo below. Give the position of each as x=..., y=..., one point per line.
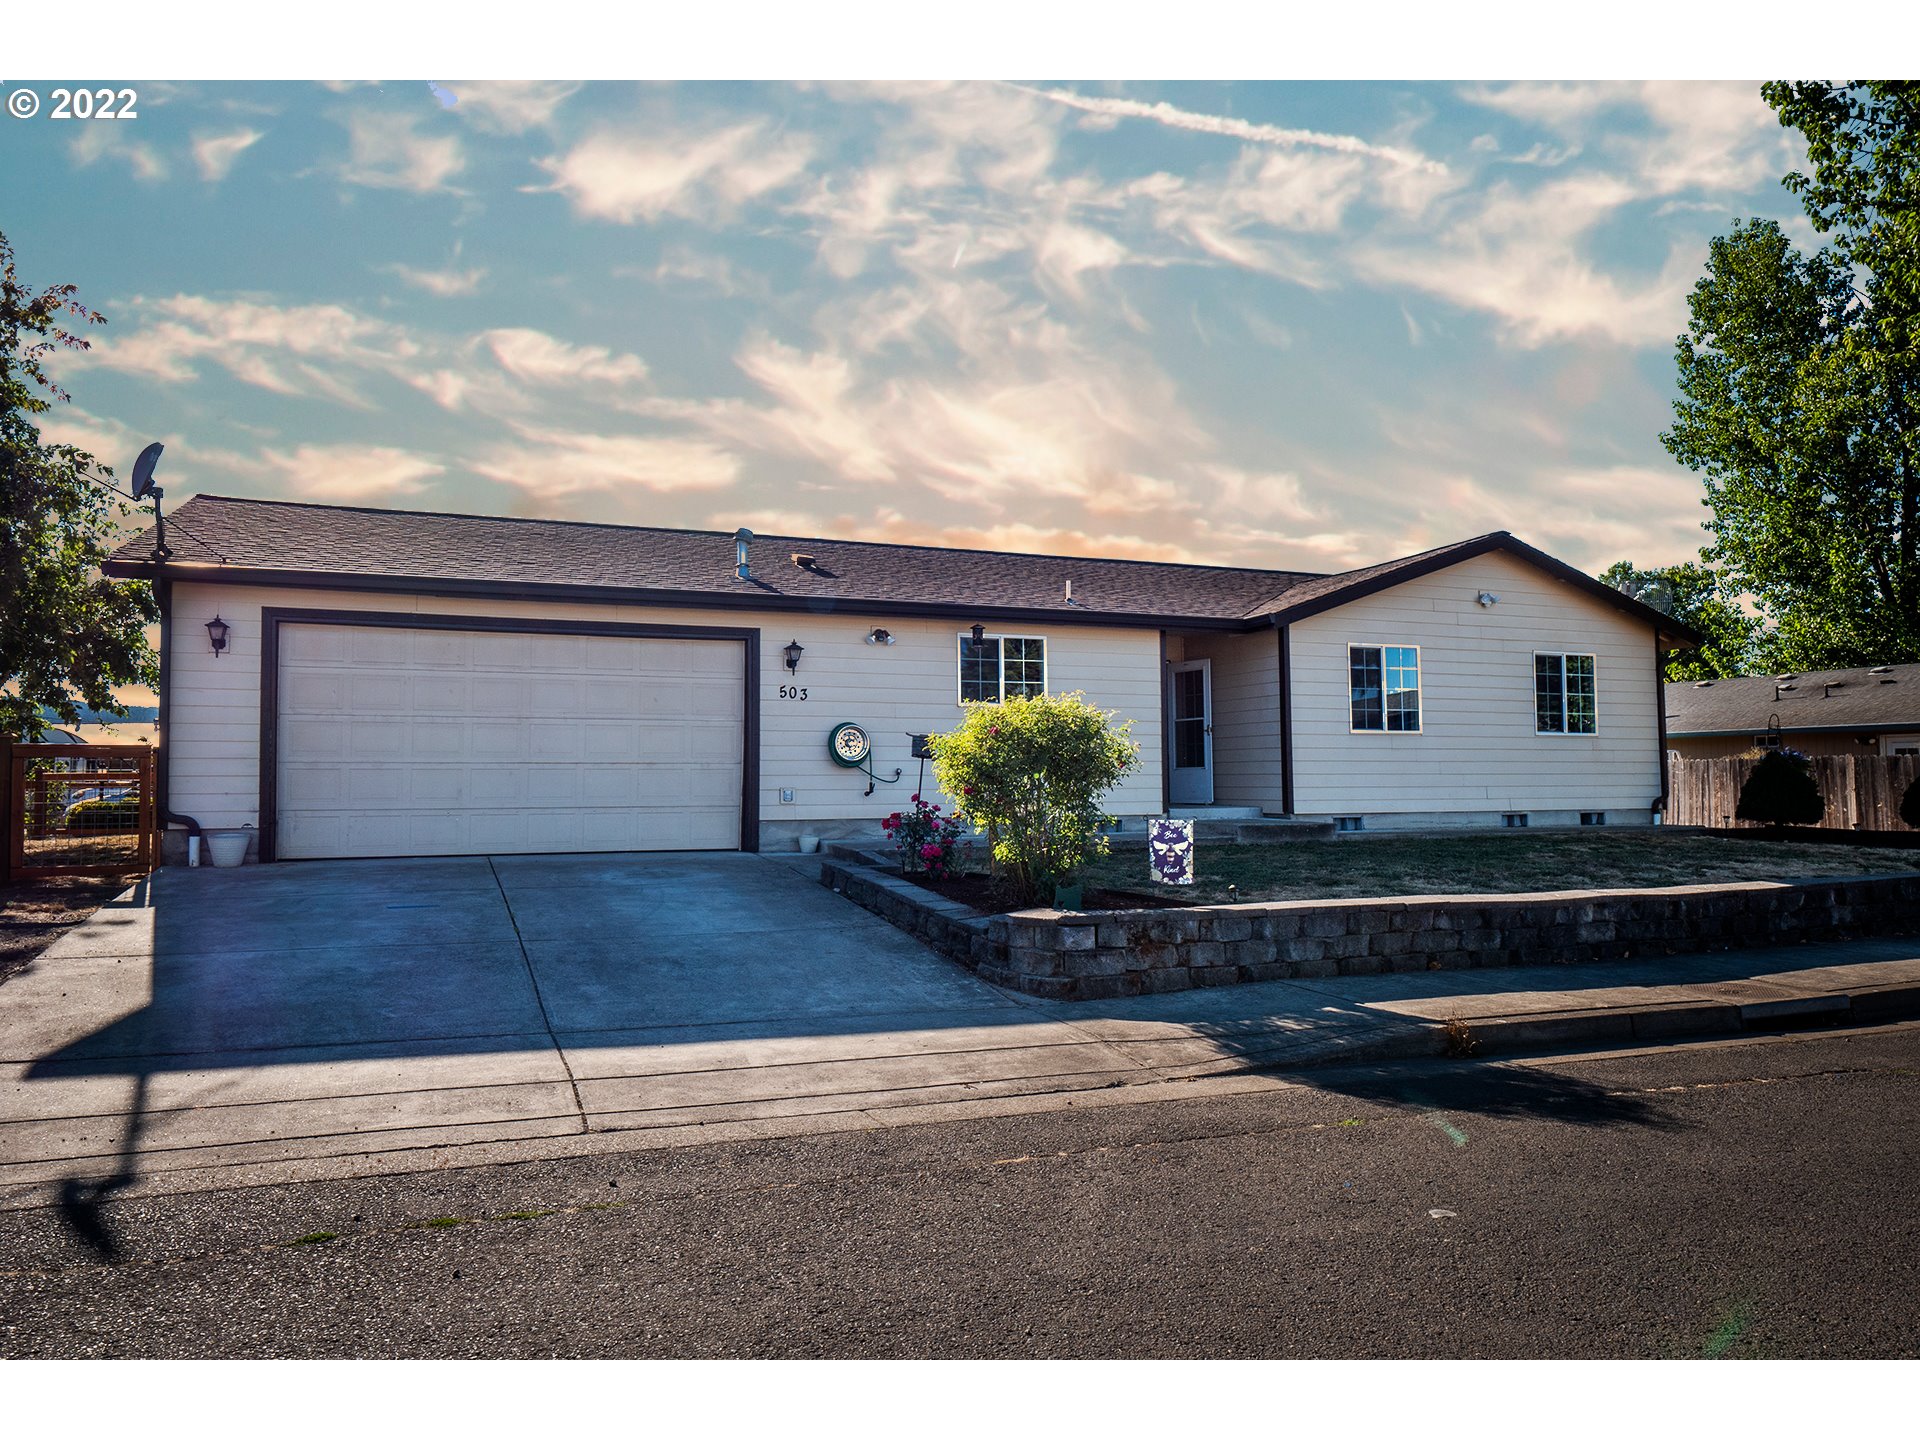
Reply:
x=143, y=470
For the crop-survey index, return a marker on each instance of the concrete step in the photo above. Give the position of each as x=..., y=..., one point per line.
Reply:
x=1214, y=812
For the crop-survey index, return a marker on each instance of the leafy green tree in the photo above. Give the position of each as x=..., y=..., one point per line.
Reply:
x=1799, y=375
x=68, y=635
x=1695, y=595
x=1031, y=773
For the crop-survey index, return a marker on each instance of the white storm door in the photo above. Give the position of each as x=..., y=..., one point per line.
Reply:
x=1190, y=732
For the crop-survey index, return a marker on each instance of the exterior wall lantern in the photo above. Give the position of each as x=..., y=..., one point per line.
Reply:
x=218, y=632
x=979, y=633
x=792, y=650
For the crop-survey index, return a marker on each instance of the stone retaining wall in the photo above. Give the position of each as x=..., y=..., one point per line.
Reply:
x=1100, y=954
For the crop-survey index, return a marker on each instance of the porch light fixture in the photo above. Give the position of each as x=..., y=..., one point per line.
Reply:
x=218, y=632
x=879, y=637
x=793, y=650
x=979, y=633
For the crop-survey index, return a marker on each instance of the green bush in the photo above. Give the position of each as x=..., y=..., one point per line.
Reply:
x=1031, y=772
x=1781, y=791
x=122, y=815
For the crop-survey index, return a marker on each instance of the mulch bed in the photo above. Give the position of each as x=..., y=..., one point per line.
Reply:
x=35, y=913
x=987, y=897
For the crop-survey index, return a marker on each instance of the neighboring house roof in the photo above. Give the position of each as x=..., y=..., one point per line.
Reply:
x=219, y=538
x=1864, y=698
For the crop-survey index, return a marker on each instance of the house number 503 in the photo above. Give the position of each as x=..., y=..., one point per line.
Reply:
x=793, y=692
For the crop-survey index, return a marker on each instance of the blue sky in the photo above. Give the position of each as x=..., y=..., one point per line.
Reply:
x=1297, y=324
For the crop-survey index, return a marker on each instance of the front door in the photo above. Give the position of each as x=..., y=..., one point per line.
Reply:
x=1190, y=724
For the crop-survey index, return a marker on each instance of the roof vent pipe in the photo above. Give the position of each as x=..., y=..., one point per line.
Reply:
x=740, y=539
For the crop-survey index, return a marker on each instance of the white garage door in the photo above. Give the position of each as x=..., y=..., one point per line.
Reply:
x=467, y=742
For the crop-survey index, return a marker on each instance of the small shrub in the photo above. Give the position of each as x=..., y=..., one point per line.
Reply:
x=1031, y=773
x=93, y=815
x=1781, y=791
x=925, y=839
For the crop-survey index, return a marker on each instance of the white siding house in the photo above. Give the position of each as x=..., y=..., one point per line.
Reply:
x=1477, y=754
x=894, y=691
x=400, y=683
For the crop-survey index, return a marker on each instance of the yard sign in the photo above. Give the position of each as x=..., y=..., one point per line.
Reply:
x=1170, y=851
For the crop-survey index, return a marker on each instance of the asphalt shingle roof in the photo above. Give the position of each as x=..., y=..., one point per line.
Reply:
x=396, y=544
x=284, y=541
x=1819, y=699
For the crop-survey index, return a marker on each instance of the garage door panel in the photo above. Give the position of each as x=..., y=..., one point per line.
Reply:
x=419, y=742
x=374, y=646
x=450, y=694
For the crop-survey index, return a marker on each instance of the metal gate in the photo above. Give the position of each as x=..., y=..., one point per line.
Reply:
x=77, y=810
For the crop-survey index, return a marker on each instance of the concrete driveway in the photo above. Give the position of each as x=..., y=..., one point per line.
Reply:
x=221, y=1026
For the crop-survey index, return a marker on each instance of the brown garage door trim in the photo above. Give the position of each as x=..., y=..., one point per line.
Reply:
x=272, y=618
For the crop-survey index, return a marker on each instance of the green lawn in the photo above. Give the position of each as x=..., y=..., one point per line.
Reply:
x=1485, y=864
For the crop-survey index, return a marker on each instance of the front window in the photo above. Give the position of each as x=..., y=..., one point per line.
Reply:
x=1384, y=686
x=1564, y=698
x=1000, y=667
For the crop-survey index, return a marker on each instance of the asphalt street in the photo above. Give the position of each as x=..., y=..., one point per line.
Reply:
x=1751, y=1198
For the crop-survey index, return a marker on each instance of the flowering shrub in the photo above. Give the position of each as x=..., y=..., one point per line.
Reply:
x=926, y=839
x=1031, y=772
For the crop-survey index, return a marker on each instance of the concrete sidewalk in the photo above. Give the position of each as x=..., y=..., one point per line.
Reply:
x=477, y=1044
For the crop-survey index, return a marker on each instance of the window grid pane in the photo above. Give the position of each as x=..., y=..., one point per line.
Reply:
x=980, y=669
x=1581, y=708
x=1549, y=695
x=1026, y=667
x=1363, y=664
x=1403, y=687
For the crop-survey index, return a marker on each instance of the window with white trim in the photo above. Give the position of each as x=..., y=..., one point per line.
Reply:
x=1383, y=685
x=1564, y=698
x=1001, y=667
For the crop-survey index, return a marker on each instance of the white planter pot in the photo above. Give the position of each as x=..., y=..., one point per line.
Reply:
x=809, y=844
x=228, y=847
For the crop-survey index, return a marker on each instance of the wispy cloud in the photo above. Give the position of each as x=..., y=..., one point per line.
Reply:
x=1161, y=113
x=349, y=473
x=215, y=154
x=447, y=282
x=97, y=141
x=510, y=107
x=387, y=151
x=540, y=359
x=555, y=465
x=634, y=176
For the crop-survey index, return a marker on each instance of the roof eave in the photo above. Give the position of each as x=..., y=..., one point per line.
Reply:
x=1666, y=628
x=176, y=572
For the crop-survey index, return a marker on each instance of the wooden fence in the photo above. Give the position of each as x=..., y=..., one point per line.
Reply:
x=1863, y=792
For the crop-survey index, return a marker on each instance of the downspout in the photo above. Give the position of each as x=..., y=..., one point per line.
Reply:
x=1659, y=806
x=1286, y=716
x=163, y=590
x=1166, y=730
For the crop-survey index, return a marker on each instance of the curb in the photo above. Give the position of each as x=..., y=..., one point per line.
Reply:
x=1507, y=1033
